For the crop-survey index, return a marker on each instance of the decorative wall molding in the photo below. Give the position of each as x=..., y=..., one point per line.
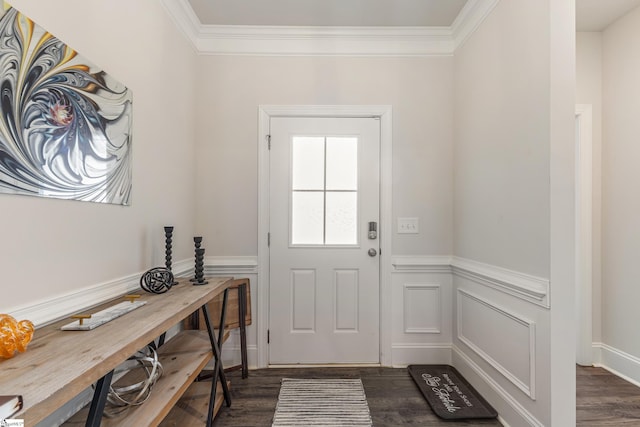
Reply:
x=469, y=19
x=328, y=41
x=238, y=265
x=618, y=362
x=500, y=393
x=408, y=290
x=323, y=41
x=185, y=19
x=528, y=389
x=524, y=286
x=421, y=264
x=48, y=311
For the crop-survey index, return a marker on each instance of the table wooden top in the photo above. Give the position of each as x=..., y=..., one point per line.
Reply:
x=58, y=365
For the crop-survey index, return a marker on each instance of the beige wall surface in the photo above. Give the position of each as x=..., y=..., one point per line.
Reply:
x=589, y=91
x=513, y=199
x=54, y=247
x=620, y=201
x=501, y=155
x=230, y=89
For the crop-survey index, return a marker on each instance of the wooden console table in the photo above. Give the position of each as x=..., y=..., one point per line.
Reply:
x=58, y=365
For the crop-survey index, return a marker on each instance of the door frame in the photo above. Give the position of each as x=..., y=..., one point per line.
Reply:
x=382, y=112
x=584, y=234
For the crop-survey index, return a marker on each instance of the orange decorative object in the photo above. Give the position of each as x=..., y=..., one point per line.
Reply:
x=14, y=335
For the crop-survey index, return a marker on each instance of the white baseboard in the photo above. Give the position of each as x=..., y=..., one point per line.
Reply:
x=403, y=355
x=510, y=410
x=231, y=356
x=618, y=362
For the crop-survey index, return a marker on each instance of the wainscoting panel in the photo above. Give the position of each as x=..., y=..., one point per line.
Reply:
x=422, y=314
x=505, y=341
x=422, y=309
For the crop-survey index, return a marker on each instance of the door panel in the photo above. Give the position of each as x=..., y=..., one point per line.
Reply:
x=346, y=300
x=324, y=286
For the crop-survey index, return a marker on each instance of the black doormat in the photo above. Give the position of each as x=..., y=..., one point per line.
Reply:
x=450, y=396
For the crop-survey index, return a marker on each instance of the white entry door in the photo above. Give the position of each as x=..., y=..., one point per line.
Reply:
x=324, y=263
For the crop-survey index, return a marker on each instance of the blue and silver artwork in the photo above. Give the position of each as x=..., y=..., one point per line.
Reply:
x=65, y=125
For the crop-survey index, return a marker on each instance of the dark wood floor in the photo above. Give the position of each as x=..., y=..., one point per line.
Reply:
x=394, y=399
x=605, y=400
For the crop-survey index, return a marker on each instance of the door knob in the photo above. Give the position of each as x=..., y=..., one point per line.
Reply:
x=372, y=252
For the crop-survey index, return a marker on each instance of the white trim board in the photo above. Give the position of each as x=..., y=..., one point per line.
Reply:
x=405, y=354
x=328, y=41
x=584, y=233
x=230, y=265
x=618, y=362
x=421, y=264
x=47, y=311
x=524, y=286
x=517, y=412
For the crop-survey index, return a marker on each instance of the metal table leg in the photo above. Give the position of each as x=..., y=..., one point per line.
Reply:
x=99, y=401
x=216, y=345
x=242, y=308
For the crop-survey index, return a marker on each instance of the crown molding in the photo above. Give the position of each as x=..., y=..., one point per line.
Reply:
x=327, y=41
x=469, y=19
x=324, y=41
x=184, y=18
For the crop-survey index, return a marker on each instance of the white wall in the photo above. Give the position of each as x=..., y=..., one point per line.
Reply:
x=502, y=118
x=512, y=186
x=230, y=90
x=493, y=104
x=589, y=91
x=419, y=90
x=53, y=247
x=620, y=201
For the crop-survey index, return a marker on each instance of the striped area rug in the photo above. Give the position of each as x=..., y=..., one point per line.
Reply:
x=322, y=402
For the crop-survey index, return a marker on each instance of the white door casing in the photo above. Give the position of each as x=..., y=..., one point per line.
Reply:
x=324, y=268
x=265, y=112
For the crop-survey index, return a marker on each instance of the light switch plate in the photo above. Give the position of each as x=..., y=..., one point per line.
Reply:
x=408, y=226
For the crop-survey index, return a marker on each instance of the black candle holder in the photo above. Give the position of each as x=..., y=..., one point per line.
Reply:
x=197, y=241
x=199, y=269
x=168, y=237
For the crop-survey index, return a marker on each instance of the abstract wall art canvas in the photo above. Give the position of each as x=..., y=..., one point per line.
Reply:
x=65, y=124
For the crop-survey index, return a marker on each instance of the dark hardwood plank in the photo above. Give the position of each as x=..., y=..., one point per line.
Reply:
x=604, y=399
x=394, y=399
